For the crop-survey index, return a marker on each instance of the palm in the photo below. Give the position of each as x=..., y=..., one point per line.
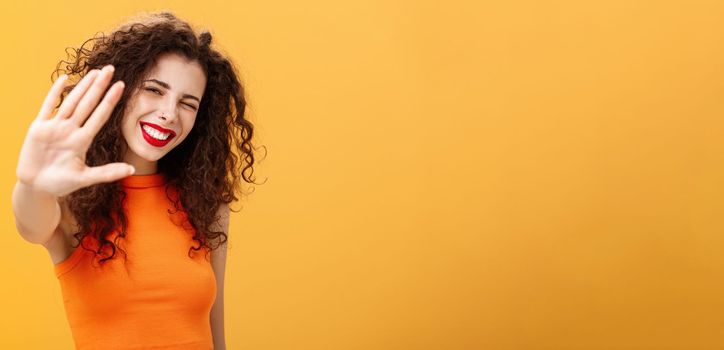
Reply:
x=52, y=158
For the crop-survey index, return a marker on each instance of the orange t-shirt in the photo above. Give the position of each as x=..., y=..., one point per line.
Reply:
x=160, y=299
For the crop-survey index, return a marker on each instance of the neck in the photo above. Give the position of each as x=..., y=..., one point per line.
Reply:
x=142, y=166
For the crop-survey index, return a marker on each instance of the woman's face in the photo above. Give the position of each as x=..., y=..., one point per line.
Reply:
x=161, y=112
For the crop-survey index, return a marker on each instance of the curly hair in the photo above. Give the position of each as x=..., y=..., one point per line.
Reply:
x=203, y=170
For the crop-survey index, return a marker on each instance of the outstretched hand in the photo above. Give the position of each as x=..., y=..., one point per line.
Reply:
x=52, y=158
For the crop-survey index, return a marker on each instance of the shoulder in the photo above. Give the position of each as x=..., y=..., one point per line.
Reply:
x=222, y=224
x=218, y=255
x=223, y=211
x=223, y=214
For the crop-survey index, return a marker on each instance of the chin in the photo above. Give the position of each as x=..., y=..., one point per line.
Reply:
x=146, y=155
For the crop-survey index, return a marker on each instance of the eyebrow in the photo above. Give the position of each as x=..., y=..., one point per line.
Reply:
x=166, y=86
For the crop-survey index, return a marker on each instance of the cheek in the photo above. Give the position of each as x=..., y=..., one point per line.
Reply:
x=127, y=129
x=128, y=122
x=130, y=112
x=188, y=123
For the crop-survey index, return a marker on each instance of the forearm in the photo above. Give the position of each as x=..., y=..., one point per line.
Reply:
x=37, y=214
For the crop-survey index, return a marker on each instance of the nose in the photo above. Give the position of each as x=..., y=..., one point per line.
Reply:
x=167, y=111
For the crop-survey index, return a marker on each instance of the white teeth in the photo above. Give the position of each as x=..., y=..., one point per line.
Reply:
x=155, y=133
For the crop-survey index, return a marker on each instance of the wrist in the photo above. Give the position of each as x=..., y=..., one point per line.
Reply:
x=25, y=187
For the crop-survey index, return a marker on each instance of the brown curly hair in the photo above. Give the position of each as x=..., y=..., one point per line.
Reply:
x=204, y=168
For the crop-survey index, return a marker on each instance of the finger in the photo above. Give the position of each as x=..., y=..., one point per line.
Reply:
x=92, y=96
x=103, y=111
x=66, y=109
x=49, y=103
x=105, y=173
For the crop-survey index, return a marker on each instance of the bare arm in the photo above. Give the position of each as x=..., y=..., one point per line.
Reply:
x=218, y=263
x=37, y=213
x=52, y=159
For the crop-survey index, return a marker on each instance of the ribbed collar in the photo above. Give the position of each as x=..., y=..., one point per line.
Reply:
x=144, y=181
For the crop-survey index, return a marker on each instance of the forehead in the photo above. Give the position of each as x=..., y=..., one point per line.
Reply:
x=181, y=74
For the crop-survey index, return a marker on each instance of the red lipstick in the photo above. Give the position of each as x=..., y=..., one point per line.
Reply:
x=155, y=142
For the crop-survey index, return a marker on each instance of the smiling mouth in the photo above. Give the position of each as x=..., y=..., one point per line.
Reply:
x=155, y=137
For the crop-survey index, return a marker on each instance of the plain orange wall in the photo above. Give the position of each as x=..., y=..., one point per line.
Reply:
x=441, y=175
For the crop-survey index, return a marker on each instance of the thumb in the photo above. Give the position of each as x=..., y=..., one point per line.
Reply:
x=106, y=173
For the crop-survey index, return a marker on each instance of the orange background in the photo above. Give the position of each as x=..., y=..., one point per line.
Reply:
x=441, y=175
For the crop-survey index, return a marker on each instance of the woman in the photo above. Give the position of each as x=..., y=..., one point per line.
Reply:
x=141, y=157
